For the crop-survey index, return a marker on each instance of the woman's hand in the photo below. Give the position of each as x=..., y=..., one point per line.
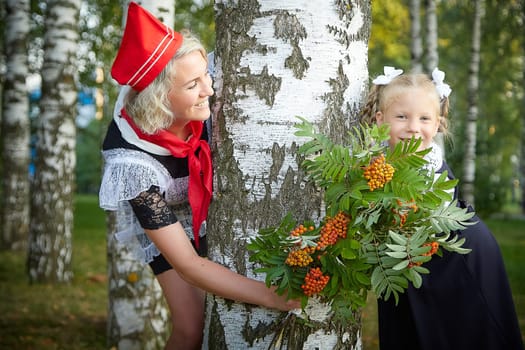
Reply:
x=212, y=277
x=282, y=303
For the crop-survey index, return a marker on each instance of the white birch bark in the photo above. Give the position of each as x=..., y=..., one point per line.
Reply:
x=277, y=60
x=138, y=317
x=52, y=198
x=522, y=148
x=416, y=42
x=15, y=129
x=432, y=56
x=469, y=159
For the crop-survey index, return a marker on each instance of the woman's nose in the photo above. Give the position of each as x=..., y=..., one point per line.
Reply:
x=208, y=88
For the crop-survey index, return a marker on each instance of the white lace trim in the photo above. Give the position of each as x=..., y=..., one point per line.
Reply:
x=128, y=173
x=434, y=158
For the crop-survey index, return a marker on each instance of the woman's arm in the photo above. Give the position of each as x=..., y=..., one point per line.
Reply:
x=172, y=241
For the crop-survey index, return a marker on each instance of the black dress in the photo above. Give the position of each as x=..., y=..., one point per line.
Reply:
x=465, y=303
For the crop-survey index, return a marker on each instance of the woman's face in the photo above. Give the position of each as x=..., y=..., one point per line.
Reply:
x=412, y=113
x=191, y=89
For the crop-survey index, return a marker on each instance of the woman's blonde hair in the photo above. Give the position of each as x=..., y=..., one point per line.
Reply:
x=381, y=96
x=150, y=109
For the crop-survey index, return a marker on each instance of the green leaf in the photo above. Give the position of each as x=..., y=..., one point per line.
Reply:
x=401, y=265
x=415, y=277
x=395, y=247
x=399, y=239
x=362, y=278
x=348, y=254
x=397, y=255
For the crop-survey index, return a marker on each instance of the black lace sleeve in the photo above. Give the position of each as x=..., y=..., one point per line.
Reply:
x=152, y=210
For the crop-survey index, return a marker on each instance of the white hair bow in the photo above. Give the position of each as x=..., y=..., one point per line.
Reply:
x=443, y=89
x=390, y=73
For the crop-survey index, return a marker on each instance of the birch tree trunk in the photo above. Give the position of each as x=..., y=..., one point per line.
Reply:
x=469, y=160
x=50, y=249
x=416, y=43
x=15, y=129
x=521, y=161
x=138, y=317
x=432, y=56
x=277, y=60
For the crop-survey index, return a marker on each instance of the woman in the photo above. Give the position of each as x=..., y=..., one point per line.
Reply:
x=158, y=176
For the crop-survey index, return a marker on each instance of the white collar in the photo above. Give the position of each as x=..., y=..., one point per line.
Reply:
x=127, y=132
x=434, y=158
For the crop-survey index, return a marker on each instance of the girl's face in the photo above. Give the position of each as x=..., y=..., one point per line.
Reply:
x=190, y=91
x=412, y=113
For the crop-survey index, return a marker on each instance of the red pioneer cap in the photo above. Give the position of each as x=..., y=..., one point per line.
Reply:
x=147, y=46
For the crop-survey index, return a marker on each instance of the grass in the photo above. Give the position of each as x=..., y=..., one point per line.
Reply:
x=73, y=316
x=64, y=316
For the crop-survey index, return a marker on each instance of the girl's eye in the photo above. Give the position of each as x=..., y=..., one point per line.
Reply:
x=400, y=117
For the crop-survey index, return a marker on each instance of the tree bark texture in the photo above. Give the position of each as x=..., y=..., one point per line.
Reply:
x=521, y=176
x=432, y=59
x=416, y=42
x=138, y=317
x=432, y=56
x=274, y=61
x=15, y=129
x=469, y=159
x=51, y=226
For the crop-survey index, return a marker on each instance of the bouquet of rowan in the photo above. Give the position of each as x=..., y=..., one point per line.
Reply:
x=386, y=215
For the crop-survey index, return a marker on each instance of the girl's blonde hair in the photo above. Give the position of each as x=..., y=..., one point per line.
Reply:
x=380, y=97
x=150, y=109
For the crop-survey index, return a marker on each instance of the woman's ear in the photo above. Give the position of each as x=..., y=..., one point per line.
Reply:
x=379, y=118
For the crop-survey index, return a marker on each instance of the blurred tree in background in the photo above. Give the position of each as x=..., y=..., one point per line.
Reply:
x=199, y=17
x=501, y=94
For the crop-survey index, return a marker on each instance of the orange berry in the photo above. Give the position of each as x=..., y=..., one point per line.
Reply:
x=333, y=229
x=378, y=173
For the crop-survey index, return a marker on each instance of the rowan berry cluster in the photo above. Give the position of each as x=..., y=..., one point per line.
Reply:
x=333, y=229
x=433, y=250
x=403, y=211
x=314, y=282
x=300, y=257
x=378, y=173
x=301, y=229
x=402, y=219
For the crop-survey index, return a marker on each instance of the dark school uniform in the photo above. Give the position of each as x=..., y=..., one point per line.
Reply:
x=177, y=168
x=465, y=303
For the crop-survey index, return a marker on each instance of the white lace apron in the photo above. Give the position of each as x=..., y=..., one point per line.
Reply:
x=128, y=173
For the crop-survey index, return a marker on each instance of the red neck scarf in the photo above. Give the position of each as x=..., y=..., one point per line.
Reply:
x=200, y=181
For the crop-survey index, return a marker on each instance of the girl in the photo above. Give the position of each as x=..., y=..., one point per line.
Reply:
x=465, y=302
x=157, y=173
